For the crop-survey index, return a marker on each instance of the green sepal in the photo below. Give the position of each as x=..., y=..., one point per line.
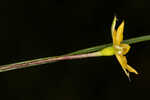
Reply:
x=108, y=51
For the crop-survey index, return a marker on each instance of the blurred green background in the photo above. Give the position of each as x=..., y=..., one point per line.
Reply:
x=31, y=29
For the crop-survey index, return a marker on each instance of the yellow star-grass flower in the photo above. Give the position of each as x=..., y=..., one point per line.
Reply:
x=120, y=50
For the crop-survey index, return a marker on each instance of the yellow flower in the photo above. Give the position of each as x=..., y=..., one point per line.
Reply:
x=121, y=50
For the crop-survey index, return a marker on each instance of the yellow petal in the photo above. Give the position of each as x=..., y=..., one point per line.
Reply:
x=113, y=25
x=125, y=48
x=113, y=30
x=130, y=69
x=114, y=38
x=119, y=34
x=123, y=63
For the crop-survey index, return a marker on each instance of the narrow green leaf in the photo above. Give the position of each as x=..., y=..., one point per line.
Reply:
x=99, y=47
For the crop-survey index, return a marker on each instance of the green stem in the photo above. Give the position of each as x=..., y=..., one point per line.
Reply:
x=35, y=62
x=84, y=53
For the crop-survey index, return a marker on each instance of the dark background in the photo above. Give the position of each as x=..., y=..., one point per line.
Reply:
x=32, y=29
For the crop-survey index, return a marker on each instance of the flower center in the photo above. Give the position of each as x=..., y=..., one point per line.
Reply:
x=118, y=49
x=121, y=49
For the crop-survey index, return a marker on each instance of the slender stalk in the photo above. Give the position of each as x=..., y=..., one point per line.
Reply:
x=44, y=61
x=84, y=53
